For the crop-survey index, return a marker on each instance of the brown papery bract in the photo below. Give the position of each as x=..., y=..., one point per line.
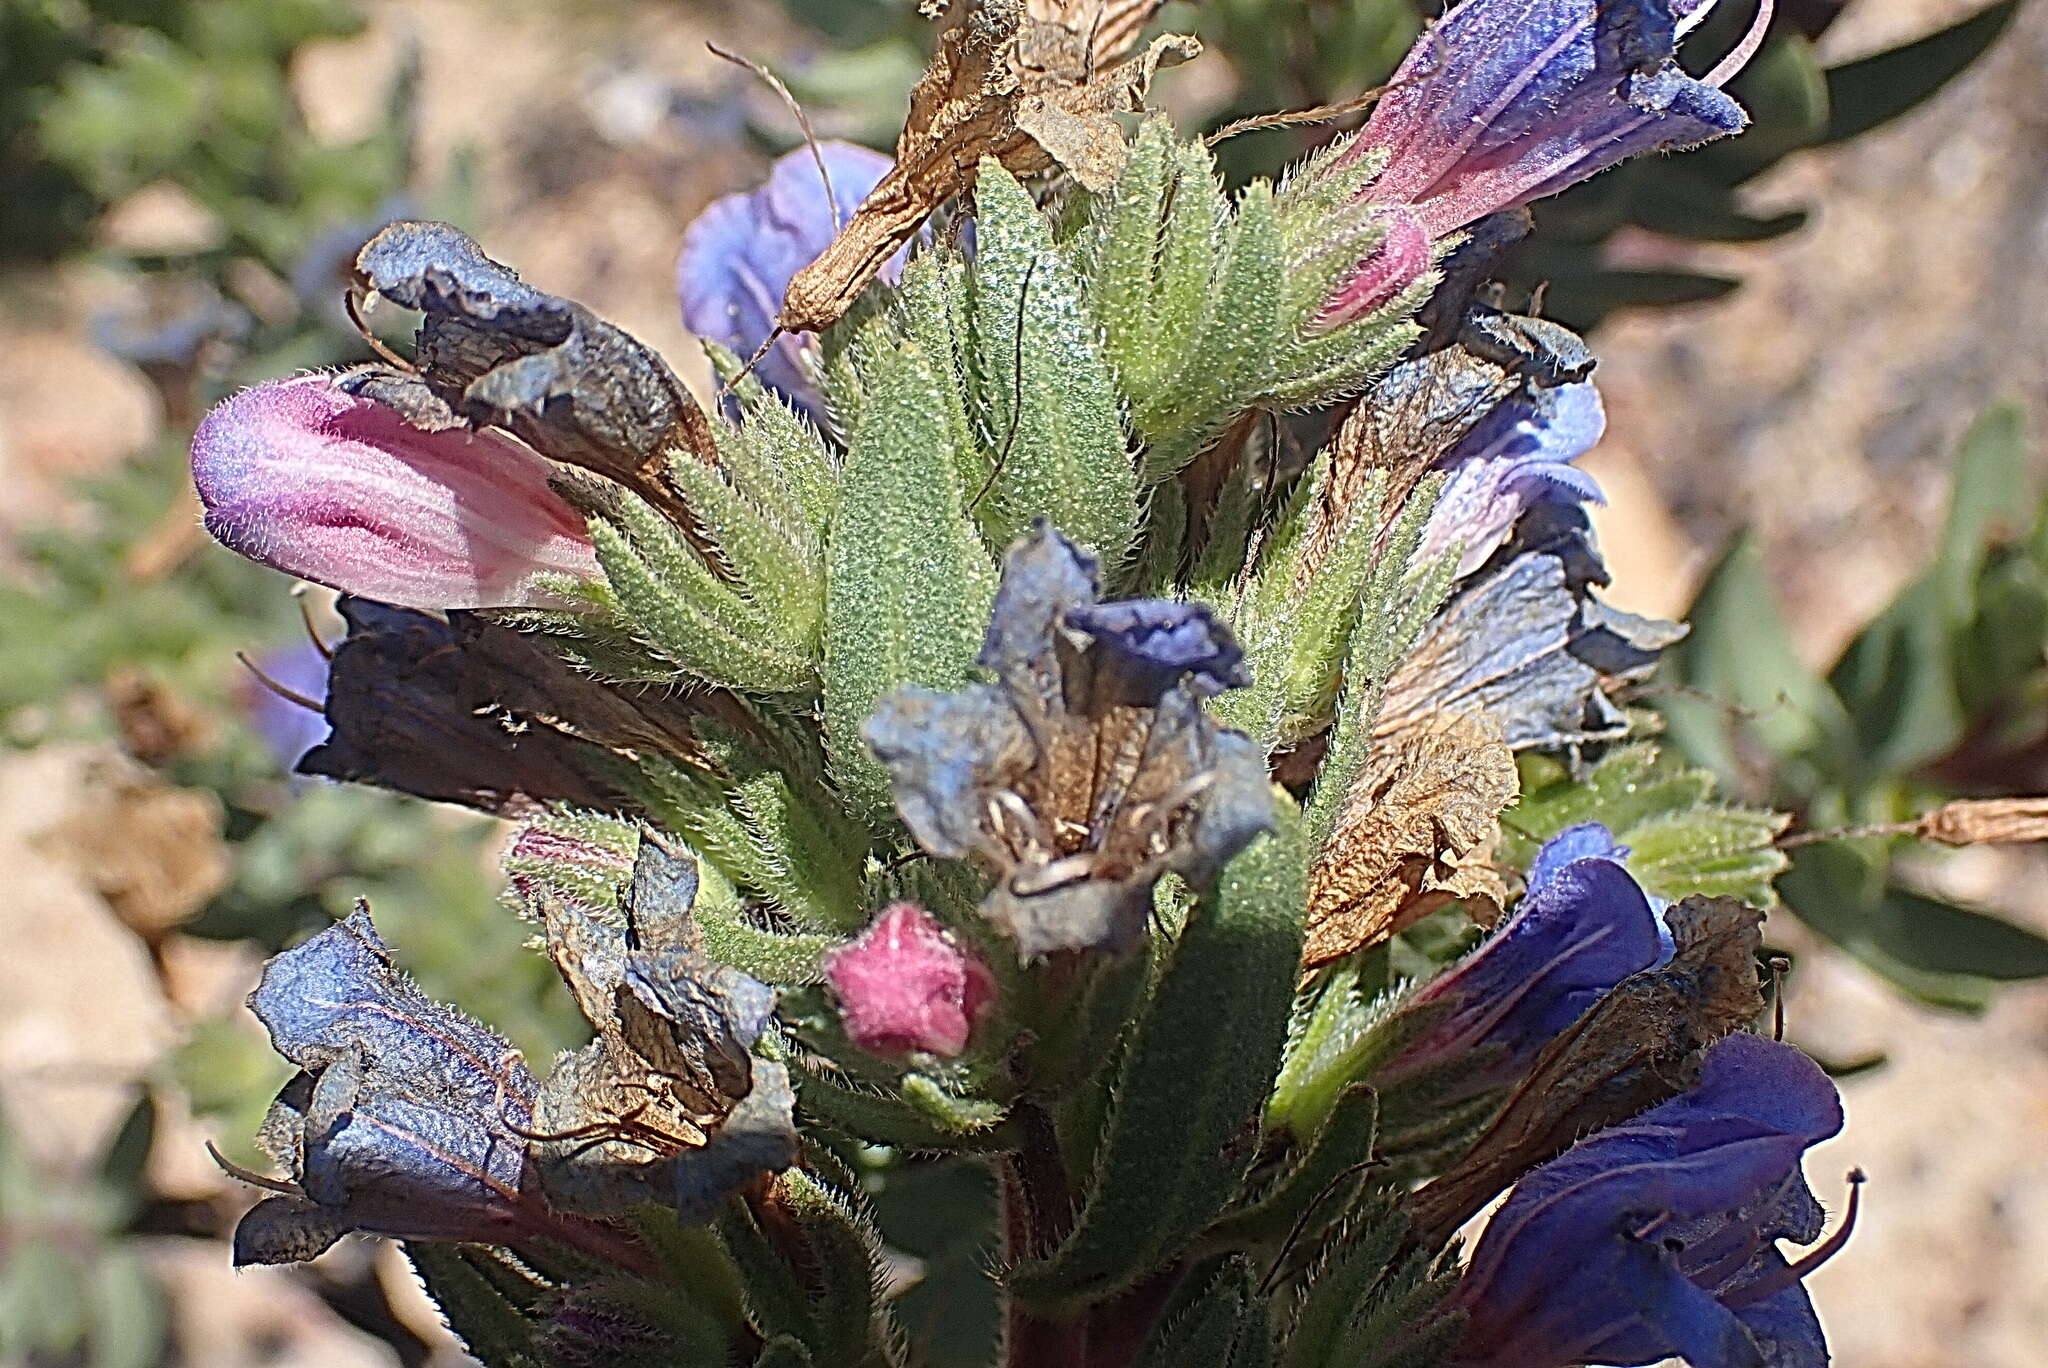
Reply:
x=1031, y=83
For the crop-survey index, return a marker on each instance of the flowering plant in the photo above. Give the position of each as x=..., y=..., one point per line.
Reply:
x=985, y=744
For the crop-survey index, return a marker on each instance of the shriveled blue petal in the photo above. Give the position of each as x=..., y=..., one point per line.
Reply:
x=1045, y=578
x=1586, y=841
x=1152, y=644
x=1587, y=927
x=404, y=1120
x=757, y=1136
x=1520, y=454
x=739, y=254
x=1506, y=101
x=1620, y=1250
x=941, y=751
x=1526, y=642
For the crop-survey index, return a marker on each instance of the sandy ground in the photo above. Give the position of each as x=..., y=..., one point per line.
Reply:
x=1818, y=404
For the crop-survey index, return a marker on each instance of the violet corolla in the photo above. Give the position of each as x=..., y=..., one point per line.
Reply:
x=1658, y=1237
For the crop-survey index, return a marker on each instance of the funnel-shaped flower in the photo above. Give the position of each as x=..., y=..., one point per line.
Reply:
x=1089, y=769
x=1657, y=1238
x=904, y=986
x=1583, y=927
x=1518, y=455
x=1506, y=101
x=341, y=490
x=739, y=254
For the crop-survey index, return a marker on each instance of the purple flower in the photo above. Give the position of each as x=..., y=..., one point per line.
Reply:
x=1506, y=101
x=1088, y=769
x=289, y=728
x=905, y=986
x=1518, y=455
x=1658, y=1237
x=308, y=479
x=1583, y=927
x=404, y=1117
x=739, y=254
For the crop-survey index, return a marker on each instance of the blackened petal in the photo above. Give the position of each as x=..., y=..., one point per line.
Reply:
x=406, y=1116
x=757, y=1136
x=282, y=1230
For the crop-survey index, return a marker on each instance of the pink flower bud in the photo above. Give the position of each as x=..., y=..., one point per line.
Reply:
x=1395, y=263
x=904, y=986
x=311, y=480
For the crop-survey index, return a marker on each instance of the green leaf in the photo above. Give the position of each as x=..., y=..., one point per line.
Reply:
x=1990, y=504
x=1321, y=1181
x=1192, y=1081
x=1048, y=405
x=1216, y=1319
x=1787, y=94
x=910, y=583
x=1941, y=953
x=1681, y=840
x=1897, y=680
x=1872, y=90
x=1751, y=708
x=492, y=1326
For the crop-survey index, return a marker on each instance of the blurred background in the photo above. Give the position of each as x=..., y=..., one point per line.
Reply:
x=1799, y=333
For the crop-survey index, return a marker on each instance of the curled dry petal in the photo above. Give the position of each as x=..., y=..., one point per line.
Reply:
x=311, y=480
x=1413, y=835
x=1089, y=769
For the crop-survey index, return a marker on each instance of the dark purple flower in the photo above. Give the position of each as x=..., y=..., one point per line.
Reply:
x=739, y=254
x=1586, y=841
x=1518, y=455
x=404, y=1117
x=1583, y=927
x=289, y=728
x=304, y=477
x=906, y=986
x=1506, y=101
x=1089, y=769
x=1658, y=1237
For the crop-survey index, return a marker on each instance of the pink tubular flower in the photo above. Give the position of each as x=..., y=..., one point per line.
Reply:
x=905, y=987
x=306, y=478
x=1398, y=261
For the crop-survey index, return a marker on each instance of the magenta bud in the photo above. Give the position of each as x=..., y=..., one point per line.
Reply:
x=904, y=986
x=1396, y=262
x=306, y=478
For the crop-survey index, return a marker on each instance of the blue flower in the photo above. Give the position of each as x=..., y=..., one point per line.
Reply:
x=1089, y=769
x=1518, y=455
x=404, y=1119
x=739, y=254
x=1582, y=928
x=1506, y=101
x=1658, y=1237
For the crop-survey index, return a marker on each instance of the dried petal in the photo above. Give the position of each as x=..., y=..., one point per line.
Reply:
x=497, y=351
x=1426, y=806
x=1526, y=643
x=1089, y=769
x=1986, y=821
x=311, y=480
x=411, y=698
x=405, y=1117
x=1028, y=86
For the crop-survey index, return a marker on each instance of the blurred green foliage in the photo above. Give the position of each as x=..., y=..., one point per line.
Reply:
x=1942, y=695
